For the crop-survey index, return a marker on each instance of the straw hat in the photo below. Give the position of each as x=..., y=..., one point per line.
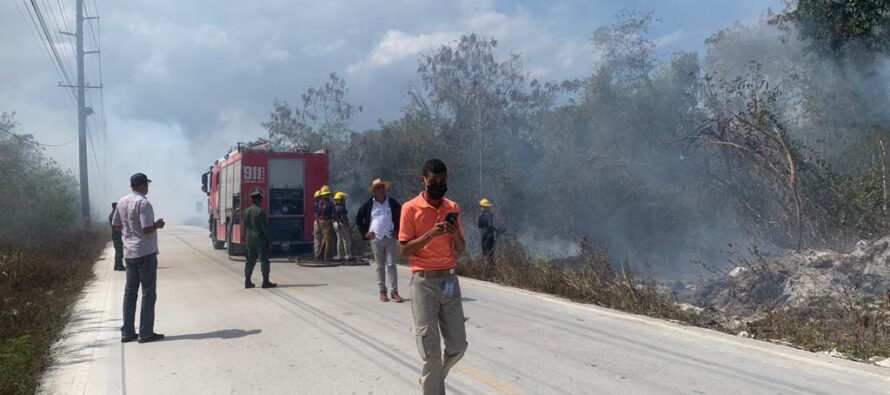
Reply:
x=386, y=184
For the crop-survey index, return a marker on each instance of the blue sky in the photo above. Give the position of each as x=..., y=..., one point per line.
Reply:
x=186, y=79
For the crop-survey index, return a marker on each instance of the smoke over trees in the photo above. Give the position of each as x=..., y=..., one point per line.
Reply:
x=47, y=202
x=776, y=136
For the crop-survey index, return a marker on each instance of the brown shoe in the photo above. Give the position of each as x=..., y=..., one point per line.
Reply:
x=383, y=297
x=395, y=296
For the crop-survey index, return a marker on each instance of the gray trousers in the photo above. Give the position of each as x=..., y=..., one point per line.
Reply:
x=344, y=242
x=385, y=257
x=140, y=271
x=436, y=313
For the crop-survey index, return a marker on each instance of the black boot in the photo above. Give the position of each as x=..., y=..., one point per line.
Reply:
x=267, y=283
x=248, y=284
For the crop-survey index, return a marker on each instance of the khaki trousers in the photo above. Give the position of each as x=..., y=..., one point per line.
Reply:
x=326, y=248
x=316, y=239
x=437, y=318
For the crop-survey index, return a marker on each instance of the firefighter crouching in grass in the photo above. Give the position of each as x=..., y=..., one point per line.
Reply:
x=258, y=241
x=431, y=236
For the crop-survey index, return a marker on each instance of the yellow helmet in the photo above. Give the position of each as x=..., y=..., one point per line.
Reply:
x=324, y=191
x=316, y=194
x=485, y=203
x=340, y=196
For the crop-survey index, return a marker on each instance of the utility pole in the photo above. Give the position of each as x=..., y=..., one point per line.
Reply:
x=82, y=122
x=82, y=113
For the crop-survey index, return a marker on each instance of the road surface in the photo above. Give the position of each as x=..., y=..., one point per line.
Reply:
x=323, y=331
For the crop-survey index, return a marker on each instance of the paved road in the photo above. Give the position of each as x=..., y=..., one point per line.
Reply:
x=324, y=332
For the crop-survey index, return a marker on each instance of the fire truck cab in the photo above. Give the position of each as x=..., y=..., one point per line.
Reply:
x=287, y=180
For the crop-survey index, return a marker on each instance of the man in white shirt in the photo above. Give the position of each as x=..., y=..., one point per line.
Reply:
x=378, y=222
x=135, y=217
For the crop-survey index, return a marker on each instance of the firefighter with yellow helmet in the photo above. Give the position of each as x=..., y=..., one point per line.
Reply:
x=316, y=229
x=325, y=216
x=342, y=227
x=487, y=229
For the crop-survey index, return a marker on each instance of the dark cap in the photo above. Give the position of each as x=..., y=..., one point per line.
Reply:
x=139, y=179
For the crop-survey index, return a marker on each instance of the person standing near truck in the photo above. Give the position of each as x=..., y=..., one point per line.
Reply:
x=325, y=216
x=342, y=228
x=258, y=240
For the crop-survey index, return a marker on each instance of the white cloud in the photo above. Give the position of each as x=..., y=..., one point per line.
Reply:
x=272, y=54
x=323, y=47
x=396, y=45
x=670, y=38
x=207, y=36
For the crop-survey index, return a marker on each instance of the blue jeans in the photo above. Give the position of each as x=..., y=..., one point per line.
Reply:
x=140, y=271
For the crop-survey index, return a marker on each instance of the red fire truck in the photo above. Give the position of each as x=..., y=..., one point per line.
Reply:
x=287, y=180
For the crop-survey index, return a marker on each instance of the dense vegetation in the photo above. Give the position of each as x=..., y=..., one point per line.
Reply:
x=775, y=136
x=46, y=256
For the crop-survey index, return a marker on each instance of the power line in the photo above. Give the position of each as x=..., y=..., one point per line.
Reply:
x=70, y=37
x=56, y=29
x=49, y=39
x=43, y=44
x=31, y=140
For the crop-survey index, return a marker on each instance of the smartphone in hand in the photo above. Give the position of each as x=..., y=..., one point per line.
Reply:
x=451, y=217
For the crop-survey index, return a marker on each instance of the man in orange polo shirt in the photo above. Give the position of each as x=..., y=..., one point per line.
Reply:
x=431, y=236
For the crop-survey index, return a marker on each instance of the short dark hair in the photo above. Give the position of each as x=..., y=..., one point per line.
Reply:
x=434, y=166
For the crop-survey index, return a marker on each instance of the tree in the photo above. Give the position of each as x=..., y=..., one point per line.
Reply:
x=322, y=119
x=486, y=109
x=40, y=197
x=842, y=28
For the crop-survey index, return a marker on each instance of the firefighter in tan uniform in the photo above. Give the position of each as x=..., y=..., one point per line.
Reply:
x=316, y=228
x=258, y=241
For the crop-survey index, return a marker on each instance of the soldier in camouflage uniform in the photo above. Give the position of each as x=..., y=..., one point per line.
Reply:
x=258, y=241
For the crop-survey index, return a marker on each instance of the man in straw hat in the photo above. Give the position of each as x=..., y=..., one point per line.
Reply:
x=378, y=222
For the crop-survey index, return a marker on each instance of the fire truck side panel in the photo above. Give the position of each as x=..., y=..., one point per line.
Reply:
x=287, y=180
x=315, y=178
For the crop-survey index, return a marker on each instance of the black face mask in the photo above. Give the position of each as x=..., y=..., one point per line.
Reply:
x=436, y=191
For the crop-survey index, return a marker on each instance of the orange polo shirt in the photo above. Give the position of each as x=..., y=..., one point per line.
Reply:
x=418, y=217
